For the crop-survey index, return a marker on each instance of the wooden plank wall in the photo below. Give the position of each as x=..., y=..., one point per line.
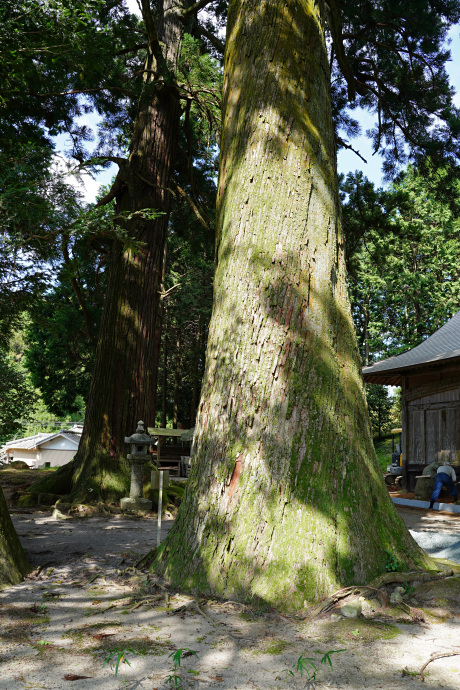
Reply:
x=432, y=424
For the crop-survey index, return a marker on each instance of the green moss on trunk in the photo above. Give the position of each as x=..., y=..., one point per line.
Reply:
x=98, y=477
x=13, y=563
x=285, y=502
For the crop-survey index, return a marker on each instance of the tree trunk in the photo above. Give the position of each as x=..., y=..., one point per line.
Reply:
x=13, y=563
x=164, y=392
x=197, y=353
x=124, y=381
x=176, y=380
x=366, y=332
x=285, y=502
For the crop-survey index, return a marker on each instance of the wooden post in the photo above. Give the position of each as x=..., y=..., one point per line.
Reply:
x=405, y=434
x=160, y=506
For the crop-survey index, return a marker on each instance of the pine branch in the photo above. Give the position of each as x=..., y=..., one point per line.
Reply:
x=165, y=293
x=218, y=45
x=99, y=160
x=196, y=7
x=116, y=187
x=335, y=25
x=133, y=49
x=154, y=186
x=193, y=207
x=342, y=143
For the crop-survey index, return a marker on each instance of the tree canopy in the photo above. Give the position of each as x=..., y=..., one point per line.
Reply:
x=403, y=244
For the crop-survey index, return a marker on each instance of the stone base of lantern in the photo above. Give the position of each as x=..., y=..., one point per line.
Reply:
x=136, y=504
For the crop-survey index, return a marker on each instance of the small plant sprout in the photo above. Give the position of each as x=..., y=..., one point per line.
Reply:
x=309, y=666
x=326, y=659
x=408, y=588
x=305, y=665
x=118, y=657
x=392, y=565
x=174, y=677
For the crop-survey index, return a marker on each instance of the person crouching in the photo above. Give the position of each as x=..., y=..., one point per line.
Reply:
x=445, y=476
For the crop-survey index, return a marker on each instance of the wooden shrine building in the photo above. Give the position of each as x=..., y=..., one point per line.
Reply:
x=429, y=376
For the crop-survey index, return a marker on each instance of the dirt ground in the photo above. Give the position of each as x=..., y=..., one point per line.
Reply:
x=86, y=601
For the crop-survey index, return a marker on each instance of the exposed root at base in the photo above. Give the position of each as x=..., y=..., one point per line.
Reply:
x=385, y=579
x=434, y=656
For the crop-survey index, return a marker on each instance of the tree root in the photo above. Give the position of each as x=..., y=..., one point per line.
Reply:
x=115, y=604
x=416, y=615
x=41, y=567
x=146, y=560
x=422, y=576
x=375, y=585
x=205, y=615
x=145, y=601
x=432, y=658
x=93, y=577
x=194, y=604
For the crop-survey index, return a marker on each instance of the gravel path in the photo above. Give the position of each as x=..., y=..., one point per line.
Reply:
x=100, y=541
x=437, y=533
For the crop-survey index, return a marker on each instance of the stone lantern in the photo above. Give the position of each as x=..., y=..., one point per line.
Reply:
x=139, y=443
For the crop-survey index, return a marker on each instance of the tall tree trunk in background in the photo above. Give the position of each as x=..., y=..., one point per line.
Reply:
x=125, y=371
x=285, y=502
x=164, y=390
x=13, y=563
x=176, y=380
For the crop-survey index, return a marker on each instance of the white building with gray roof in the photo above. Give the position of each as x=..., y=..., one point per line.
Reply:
x=44, y=449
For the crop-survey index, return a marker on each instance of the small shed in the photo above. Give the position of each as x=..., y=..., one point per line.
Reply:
x=429, y=376
x=45, y=449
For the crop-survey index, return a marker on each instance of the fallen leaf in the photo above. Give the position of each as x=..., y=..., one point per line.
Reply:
x=218, y=678
x=72, y=676
x=102, y=636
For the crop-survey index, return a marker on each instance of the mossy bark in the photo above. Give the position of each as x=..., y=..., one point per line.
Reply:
x=285, y=501
x=13, y=563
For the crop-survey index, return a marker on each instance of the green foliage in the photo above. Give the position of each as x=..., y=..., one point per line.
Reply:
x=200, y=76
x=379, y=404
x=187, y=303
x=61, y=343
x=403, y=245
x=52, y=52
x=17, y=396
x=383, y=451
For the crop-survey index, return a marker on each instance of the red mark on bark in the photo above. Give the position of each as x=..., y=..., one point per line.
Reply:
x=113, y=447
x=288, y=317
x=235, y=478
